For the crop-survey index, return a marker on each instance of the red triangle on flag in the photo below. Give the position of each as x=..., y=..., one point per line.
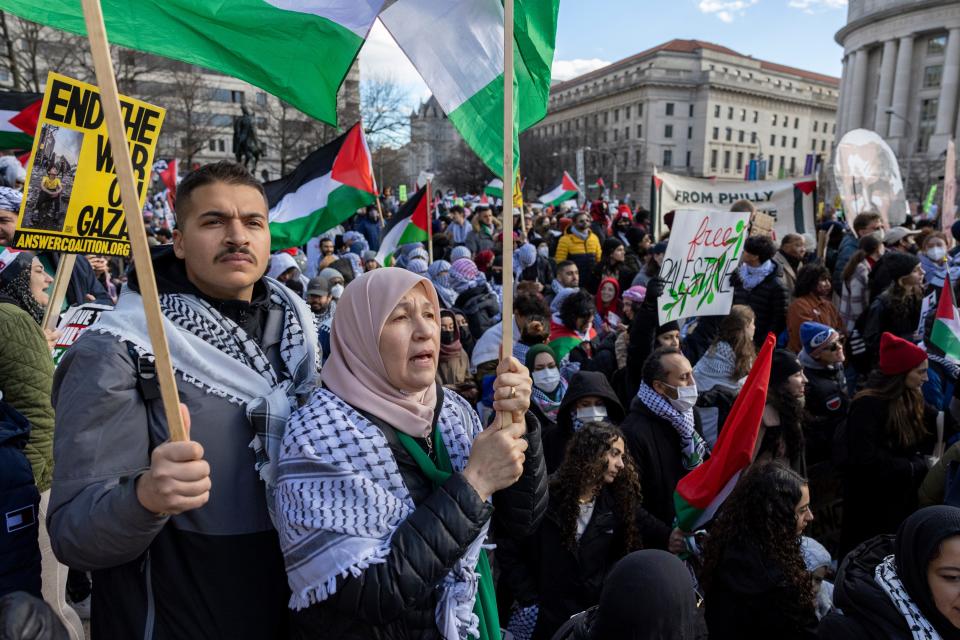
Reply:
x=807, y=187
x=945, y=306
x=421, y=215
x=353, y=166
x=27, y=119
x=169, y=175
x=567, y=184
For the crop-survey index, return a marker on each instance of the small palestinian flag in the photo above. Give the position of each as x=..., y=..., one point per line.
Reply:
x=701, y=492
x=566, y=190
x=19, y=112
x=324, y=190
x=946, y=326
x=598, y=184
x=410, y=224
x=494, y=189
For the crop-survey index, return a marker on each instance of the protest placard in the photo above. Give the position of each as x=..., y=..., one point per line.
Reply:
x=72, y=202
x=75, y=321
x=704, y=250
x=791, y=203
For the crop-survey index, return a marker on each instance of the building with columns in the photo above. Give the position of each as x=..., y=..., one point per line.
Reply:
x=901, y=78
x=687, y=107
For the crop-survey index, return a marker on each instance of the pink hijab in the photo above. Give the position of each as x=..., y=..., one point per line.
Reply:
x=355, y=372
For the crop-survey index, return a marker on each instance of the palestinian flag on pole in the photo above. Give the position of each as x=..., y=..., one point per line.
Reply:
x=469, y=85
x=598, y=184
x=494, y=189
x=254, y=40
x=946, y=326
x=701, y=492
x=19, y=112
x=410, y=224
x=324, y=190
x=567, y=189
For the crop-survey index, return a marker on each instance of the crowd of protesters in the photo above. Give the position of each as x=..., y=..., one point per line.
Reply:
x=363, y=461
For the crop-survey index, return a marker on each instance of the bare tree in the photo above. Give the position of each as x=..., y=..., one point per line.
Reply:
x=188, y=124
x=32, y=49
x=293, y=135
x=384, y=109
x=464, y=171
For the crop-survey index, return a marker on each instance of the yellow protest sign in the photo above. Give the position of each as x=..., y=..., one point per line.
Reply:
x=72, y=202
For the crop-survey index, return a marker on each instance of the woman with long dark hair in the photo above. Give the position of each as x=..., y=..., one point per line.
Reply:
x=855, y=296
x=897, y=309
x=594, y=519
x=755, y=580
x=883, y=449
x=730, y=357
x=812, y=303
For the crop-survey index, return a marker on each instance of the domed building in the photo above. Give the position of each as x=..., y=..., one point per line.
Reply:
x=901, y=75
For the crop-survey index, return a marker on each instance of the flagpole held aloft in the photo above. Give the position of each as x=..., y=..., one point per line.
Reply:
x=60, y=282
x=430, y=219
x=103, y=66
x=507, y=308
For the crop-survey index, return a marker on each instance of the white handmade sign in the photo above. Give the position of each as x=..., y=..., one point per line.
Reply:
x=704, y=250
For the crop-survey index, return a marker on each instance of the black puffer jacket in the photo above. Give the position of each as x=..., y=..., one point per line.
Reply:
x=825, y=408
x=20, y=502
x=397, y=598
x=582, y=385
x=769, y=302
x=863, y=610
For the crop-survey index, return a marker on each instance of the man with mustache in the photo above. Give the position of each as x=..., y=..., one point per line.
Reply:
x=178, y=534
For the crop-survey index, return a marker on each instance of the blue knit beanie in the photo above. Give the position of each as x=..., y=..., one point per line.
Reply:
x=815, y=336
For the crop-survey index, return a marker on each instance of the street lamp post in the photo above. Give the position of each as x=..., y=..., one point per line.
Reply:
x=890, y=111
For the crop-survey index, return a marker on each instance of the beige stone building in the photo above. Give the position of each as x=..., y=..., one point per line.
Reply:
x=901, y=78
x=688, y=107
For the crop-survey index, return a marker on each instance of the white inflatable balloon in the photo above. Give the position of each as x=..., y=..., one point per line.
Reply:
x=868, y=177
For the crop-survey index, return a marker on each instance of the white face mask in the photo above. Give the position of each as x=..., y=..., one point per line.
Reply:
x=592, y=414
x=686, y=397
x=878, y=234
x=336, y=291
x=936, y=253
x=547, y=379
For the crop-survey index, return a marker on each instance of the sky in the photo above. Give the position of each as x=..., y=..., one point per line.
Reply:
x=593, y=34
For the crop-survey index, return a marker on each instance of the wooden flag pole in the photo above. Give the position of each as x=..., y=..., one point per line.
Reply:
x=507, y=308
x=110, y=101
x=60, y=283
x=430, y=220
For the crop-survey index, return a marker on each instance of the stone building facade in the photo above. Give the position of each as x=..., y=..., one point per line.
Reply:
x=901, y=77
x=688, y=107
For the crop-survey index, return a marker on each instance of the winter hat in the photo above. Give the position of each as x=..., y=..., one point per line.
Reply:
x=660, y=247
x=897, y=265
x=784, y=365
x=816, y=337
x=419, y=252
x=955, y=230
x=635, y=294
x=417, y=266
x=318, y=286
x=329, y=274
x=459, y=252
x=12, y=262
x=898, y=356
x=10, y=199
x=369, y=255
x=667, y=327
x=484, y=259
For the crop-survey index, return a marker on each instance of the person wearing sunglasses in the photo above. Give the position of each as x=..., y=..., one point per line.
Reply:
x=827, y=401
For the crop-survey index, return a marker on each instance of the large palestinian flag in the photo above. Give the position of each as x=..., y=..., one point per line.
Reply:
x=946, y=326
x=19, y=112
x=410, y=224
x=701, y=492
x=298, y=50
x=566, y=190
x=324, y=190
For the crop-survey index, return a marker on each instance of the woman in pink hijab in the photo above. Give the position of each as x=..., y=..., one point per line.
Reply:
x=387, y=481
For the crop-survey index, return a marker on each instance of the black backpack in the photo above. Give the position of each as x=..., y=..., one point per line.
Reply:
x=19, y=508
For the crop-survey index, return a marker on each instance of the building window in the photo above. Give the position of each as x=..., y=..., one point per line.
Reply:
x=688, y=159
x=796, y=123
x=606, y=117
x=691, y=110
x=753, y=137
x=834, y=129
x=626, y=158
x=689, y=133
x=729, y=113
x=936, y=45
x=639, y=155
x=261, y=99
x=604, y=137
x=928, y=121
x=756, y=117
x=668, y=131
x=773, y=139
x=740, y=161
x=932, y=75
x=726, y=161
x=823, y=145
x=716, y=111
x=741, y=135
x=713, y=159
x=667, y=157
x=813, y=147
x=639, y=131
x=794, y=143
x=743, y=115
x=782, y=161
x=616, y=115
x=669, y=108
x=213, y=145
x=716, y=133
x=616, y=135
x=729, y=134
x=640, y=110
x=783, y=141
x=626, y=113
x=793, y=166
x=815, y=125
x=774, y=120
x=626, y=133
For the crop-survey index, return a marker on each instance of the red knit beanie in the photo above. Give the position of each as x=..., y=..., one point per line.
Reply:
x=898, y=355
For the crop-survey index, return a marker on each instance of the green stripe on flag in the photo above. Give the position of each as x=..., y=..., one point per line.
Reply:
x=480, y=121
x=299, y=57
x=945, y=337
x=15, y=140
x=342, y=203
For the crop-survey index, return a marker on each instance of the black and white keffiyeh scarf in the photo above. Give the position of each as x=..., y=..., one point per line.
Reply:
x=214, y=353
x=340, y=497
x=886, y=576
x=694, y=447
x=951, y=367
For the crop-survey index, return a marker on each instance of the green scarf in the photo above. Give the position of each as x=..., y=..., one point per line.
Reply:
x=486, y=604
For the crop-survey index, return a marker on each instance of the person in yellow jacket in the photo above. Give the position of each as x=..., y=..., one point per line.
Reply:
x=579, y=244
